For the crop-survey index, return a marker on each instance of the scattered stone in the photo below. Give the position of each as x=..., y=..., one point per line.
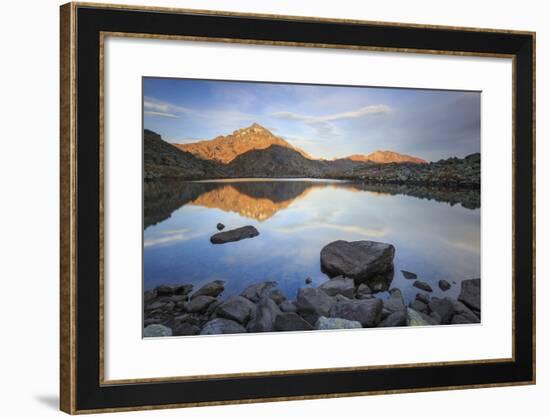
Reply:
x=339, y=285
x=367, y=312
x=222, y=326
x=288, y=306
x=423, y=297
x=363, y=291
x=157, y=330
x=359, y=260
x=263, y=318
x=220, y=226
x=423, y=286
x=212, y=289
x=235, y=235
x=470, y=293
x=313, y=302
x=186, y=329
x=333, y=323
x=409, y=275
x=254, y=292
x=395, y=301
x=236, y=308
x=444, y=285
x=309, y=280
x=199, y=303
x=396, y=319
x=291, y=322
x=419, y=306
x=444, y=308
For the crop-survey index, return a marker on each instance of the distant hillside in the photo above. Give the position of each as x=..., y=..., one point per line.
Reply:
x=162, y=160
x=386, y=157
x=225, y=149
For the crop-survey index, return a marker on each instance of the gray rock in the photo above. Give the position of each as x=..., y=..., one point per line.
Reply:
x=199, y=303
x=333, y=323
x=308, y=280
x=235, y=235
x=236, y=308
x=470, y=293
x=359, y=260
x=163, y=290
x=183, y=289
x=220, y=226
x=415, y=318
x=313, y=302
x=380, y=282
x=461, y=310
x=460, y=319
x=409, y=275
x=222, y=326
x=366, y=312
x=147, y=322
x=154, y=306
x=395, y=301
x=186, y=329
x=422, y=296
x=419, y=306
x=423, y=286
x=212, y=289
x=444, y=308
x=188, y=318
x=363, y=291
x=291, y=322
x=444, y=285
x=396, y=319
x=339, y=285
x=157, y=330
x=149, y=295
x=263, y=317
x=288, y=306
x=277, y=296
x=254, y=292
x=435, y=318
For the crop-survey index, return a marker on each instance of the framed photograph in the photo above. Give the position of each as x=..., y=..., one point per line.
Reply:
x=264, y=208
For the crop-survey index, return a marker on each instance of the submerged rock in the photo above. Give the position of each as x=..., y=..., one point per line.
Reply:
x=339, y=285
x=470, y=293
x=236, y=308
x=235, y=235
x=409, y=275
x=332, y=323
x=222, y=326
x=423, y=286
x=359, y=260
x=157, y=330
x=291, y=322
x=212, y=289
x=444, y=285
x=367, y=312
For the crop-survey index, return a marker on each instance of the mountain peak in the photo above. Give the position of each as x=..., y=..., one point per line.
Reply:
x=386, y=157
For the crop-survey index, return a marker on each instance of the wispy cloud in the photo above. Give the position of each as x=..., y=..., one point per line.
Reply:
x=154, y=107
x=324, y=124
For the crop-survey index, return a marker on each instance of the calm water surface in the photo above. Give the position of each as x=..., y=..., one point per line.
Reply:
x=436, y=233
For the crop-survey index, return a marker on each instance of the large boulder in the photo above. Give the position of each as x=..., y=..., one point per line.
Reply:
x=212, y=289
x=222, y=326
x=198, y=304
x=157, y=330
x=285, y=322
x=359, y=260
x=235, y=235
x=288, y=306
x=263, y=317
x=339, y=285
x=367, y=312
x=444, y=308
x=254, y=292
x=470, y=293
x=236, y=308
x=312, y=303
x=395, y=301
x=466, y=315
x=333, y=323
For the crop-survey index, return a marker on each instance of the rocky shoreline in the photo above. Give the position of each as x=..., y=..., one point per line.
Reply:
x=350, y=299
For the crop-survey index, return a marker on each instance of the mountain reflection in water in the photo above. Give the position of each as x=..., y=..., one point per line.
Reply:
x=435, y=231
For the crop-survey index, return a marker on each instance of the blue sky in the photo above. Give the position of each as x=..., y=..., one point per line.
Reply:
x=325, y=121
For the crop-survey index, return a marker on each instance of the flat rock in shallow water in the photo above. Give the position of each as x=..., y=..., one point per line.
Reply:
x=423, y=286
x=367, y=312
x=222, y=326
x=235, y=235
x=157, y=330
x=470, y=293
x=333, y=323
x=409, y=275
x=212, y=289
x=285, y=322
x=359, y=260
x=339, y=285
